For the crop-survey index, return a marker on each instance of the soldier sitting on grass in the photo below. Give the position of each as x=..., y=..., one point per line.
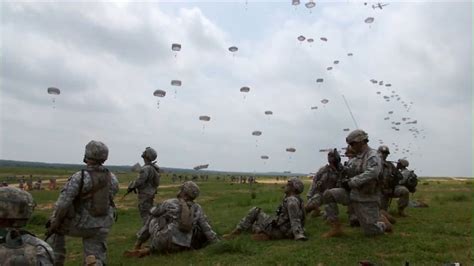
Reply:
x=175, y=225
x=288, y=222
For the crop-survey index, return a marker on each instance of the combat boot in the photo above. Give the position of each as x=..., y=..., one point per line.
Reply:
x=260, y=237
x=390, y=218
x=336, y=230
x=91, y=260
x=388, y=225
x=237, y=231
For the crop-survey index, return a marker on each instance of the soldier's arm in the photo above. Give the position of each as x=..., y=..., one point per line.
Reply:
x=114, y=188
x=206, y=227
x=142, y=177
x=372, y=172
x=67, y=196
x=295, y=213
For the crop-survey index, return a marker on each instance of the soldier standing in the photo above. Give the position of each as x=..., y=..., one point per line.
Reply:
x=18, y=246
x=85, y=208
x=288, y=222
x=361, y=190
x=390, y=185
x=147, y=183
x=327, y=177
x=175, y=225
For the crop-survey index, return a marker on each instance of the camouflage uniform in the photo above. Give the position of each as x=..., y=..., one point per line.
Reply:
x=147, y=185
x=288, y=222
x=364, y=195
x=391, y=189
x=327, y=177
x=165, y=227
x=17, y=246
x=85, y=209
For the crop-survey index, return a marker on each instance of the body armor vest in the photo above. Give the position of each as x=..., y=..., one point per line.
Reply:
x=100, y=192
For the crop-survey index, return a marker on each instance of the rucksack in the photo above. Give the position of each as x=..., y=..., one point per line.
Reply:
x=411, y=182
x=14, y=251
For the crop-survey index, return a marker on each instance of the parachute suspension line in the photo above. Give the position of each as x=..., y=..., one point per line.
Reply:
x=350, y=111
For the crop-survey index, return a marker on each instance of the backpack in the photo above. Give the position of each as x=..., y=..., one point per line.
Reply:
x=14, y=251
x=411, y=182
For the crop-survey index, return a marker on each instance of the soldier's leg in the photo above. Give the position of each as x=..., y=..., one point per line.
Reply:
x=58, y=244
x=254, y=216
x=384, y=201
x=95, y=245
x=331, y=198
x=369, y=217
x=404, y=196
x=145, y=203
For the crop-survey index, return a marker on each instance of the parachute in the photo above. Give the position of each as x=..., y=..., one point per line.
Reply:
x=176, y=47
x=390, y=112
x=388, y=85
x=202, y=166
x=314, y=107
x=257, y=133
x=346, y=129
x=349, y=54
x=205, y=118
x=268, y=112
x=381, y=82
x=244, y=90
x=54, y=91
x=290, y=149
x=329, y=68
x=374, y=81
x=336, y=62
x=264, y=157
x=301, y=38
x=233, y=49
x=369, y=20
x=324, y=101
x=324, y=39
x=295, y=2
x=177, y=83
x=310, y=4
x=159, y=94
x=320, y=80
x=378, y=92
x=310, y=40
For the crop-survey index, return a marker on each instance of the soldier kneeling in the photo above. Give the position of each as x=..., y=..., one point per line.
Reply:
x=175, y=225
x=288, y=222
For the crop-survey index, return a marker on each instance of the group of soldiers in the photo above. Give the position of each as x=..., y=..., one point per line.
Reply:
x=85, y=207
x=30, y=185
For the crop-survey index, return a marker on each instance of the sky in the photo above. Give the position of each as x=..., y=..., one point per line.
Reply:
x=108, y=59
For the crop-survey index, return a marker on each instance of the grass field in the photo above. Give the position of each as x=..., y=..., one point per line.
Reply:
x=436, y=235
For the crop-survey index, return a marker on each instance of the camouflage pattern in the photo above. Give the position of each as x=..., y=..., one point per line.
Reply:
x=406, y=174
x=327, y=177
x=97, y=151
x=357, y=135
x=163, y=228
x=150, y=154
x=288, y=222
x=403, y=162
x=30, y=251
x=75, y=213
x=191, y=189
x=297, y=185
x=19, y=247
x=147, y=185
x=364, y=195
x=390, y=187
x=16, y=204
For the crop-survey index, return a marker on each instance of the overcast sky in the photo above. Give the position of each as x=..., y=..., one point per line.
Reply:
x=108, y=59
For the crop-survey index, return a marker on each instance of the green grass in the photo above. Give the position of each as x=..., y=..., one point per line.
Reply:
x=435, y=235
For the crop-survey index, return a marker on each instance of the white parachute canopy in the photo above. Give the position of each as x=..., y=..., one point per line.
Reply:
x=369, y=20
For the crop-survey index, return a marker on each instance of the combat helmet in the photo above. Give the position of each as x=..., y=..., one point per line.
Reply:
x=16, y=205
x=357, y=135
x=403, y=162
x=297, y=185
x=149, y=154
x=96, y=151
x=190, y=189
x=383, y=149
